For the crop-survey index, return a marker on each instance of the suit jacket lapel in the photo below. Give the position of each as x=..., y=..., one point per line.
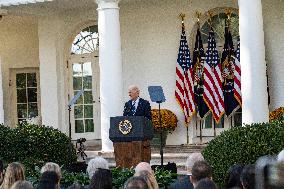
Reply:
x=139, y=106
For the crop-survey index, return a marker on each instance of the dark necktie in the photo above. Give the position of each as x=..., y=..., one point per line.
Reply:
x=133, y=107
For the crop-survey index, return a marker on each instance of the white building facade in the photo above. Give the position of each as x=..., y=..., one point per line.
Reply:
x=49, y=52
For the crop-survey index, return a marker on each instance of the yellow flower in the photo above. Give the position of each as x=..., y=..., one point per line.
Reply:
x=276, y=114
x=168, y=120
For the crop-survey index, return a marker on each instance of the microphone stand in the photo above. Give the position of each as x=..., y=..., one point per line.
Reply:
x=161, y=134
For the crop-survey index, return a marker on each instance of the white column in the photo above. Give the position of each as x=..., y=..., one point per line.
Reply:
x=254, y=83
x=110, y=66
x=47, y=33
x=1, y=96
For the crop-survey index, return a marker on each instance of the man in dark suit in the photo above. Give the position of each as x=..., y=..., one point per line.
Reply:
x=136, y=106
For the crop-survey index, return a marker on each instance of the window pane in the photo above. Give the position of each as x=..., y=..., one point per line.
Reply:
x=79, y=126
x=87, y=69
x=88, y=97
x=238, y=118
x=87, y=82
x=32, y=94
x=89, y=125
x=77, y=83
x=77, y=70
x=80, y=99
x=88, y=111
x=22, y=110
x=78, y=111
x=33, y=111
x=208, y=121
x=21, y=80
x=21, y=96
x=31, y=79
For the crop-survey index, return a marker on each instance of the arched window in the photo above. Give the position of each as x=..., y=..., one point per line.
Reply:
x=83, y=67
x=219, y=21
x=87, y=41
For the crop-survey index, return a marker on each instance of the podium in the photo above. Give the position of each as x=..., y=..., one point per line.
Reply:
x=130, y=136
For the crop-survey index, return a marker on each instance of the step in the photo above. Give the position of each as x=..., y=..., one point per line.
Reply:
x=177, y=154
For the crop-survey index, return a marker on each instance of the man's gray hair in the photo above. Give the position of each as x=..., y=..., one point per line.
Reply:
x=143, y=166
x=280, y=157
x=133, y=87
x=50, y=166
x=95, y=164
x=192, y=158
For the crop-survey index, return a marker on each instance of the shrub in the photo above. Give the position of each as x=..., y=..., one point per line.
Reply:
x=34, y=145
x=243, y=145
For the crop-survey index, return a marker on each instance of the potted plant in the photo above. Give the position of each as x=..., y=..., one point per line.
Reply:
x=168, y=125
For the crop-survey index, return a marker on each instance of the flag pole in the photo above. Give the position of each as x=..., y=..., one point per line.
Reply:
x=182, y=16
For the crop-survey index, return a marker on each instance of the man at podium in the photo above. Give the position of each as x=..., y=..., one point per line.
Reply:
x=136, y=106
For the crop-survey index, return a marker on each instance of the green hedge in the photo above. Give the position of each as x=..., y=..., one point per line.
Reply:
x=34, y=145
x=243, y=145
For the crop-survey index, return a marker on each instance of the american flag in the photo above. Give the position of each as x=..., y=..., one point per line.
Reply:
x=184, y=79
x=237, y=75
x=213, y=94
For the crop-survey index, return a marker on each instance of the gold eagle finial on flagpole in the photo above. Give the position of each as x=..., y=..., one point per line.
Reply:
x=182, y=16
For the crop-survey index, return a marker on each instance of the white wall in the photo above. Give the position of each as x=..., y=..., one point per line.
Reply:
x=274, y=45
x=18, y=49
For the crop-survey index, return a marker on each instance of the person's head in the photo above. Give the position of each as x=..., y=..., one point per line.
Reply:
x=14, y=172
x=192, y=158
x=149, y=178
x=280, y=157
x=49, y=180
x=102, y=179
x=200, y=170
x=248, y=177
x=205, y=183
x=133, y=92
x=22, y=185
x=95, y=164
x=50, y=166
x=75, y=186
x=233, y=177
x=136, y=183
x=143, y=166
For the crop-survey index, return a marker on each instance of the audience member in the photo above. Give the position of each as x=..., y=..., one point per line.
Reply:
x=200, y=170
x=136, y=183
x=149, y=178
x=76, y=186
x=1, y=171
x=49, y=180
x=102, y=179
x=205, y=183
x=22, y=184
x=50, y=166
x=183, y=182
x=248, y=177
x=233, y=179
x=143, y=166
x=192, y=158
x=95, y=164
x=280, y=157
x=14, y=172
